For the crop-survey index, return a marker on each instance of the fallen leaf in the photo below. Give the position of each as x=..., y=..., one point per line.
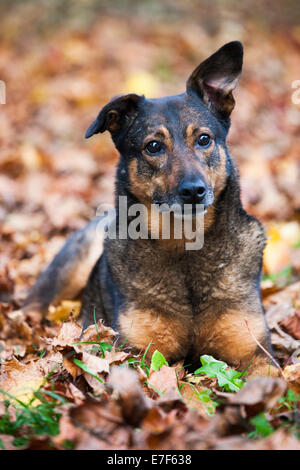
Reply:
x=62, y=312
x=278, y=308
x=191, y=397
x=262, y=391
x=69, y=333
x=292, y=375
x=94, y=363
x=20, y=381
x=291, y=325
x=163, y=380
x=129, y=393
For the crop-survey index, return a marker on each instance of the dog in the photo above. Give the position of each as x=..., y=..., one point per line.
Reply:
x=154, y=291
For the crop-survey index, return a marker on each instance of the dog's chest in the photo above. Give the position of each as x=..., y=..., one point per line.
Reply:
x=170, y=284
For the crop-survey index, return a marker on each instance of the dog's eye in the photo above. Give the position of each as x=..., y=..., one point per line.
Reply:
x=154, y=147
x=203, y=140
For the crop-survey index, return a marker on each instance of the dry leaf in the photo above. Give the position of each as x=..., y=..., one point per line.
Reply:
x=62, y=312
x=263, y=391
x=126, y=386
x=164, y=380
x=69, y=333
x=292, y=375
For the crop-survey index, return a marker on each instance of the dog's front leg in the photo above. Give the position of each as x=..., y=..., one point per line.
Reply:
x=169, y=334
x=238, y=336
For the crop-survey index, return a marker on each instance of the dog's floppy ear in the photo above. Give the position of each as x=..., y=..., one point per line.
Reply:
x=215, y=78
x=116, y=115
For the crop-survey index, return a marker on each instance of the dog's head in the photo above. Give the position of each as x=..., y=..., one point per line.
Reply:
x=173, y=149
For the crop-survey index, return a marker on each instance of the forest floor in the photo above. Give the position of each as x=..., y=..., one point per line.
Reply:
x=62, y=392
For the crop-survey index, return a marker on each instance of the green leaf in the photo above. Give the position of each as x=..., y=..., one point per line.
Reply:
x=262, y=426
x=204, y=396
x=158, y=360
x=205, y=359
x=229, y=379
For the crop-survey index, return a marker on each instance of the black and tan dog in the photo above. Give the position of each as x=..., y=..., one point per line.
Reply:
x=188, y=303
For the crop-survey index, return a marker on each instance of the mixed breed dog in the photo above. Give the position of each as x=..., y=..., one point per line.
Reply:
x=185, y=302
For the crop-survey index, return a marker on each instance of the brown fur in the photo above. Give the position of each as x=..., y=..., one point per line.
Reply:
x=142, y=327
x=228, y=332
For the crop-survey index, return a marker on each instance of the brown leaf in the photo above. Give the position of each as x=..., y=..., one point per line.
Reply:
x=102, y=424
x=71, y=367
x=78, y=396
x=263, y=391
x=280, y=440
x=22, y=380
x=130, y=396
x=97, y=387
x=280, y=307
x=291, y=325
x=115, y=357
x=67, y=432
x=106, y=334
x=189, y=395
x=94, y=363
x=292, y=375
x=163, y=380
x=155, y=421
x=69, y=333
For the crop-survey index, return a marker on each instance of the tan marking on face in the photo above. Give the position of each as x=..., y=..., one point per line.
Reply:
x=193, y=131
x=163, y=135
x=169, y=334
x=227, y=337
x=199, y=164
x=217, y=176
x=143, y=188
x=190, y=134
x=140, y=186
x=209, y=217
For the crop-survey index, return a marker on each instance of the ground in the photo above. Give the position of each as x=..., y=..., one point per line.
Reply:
x=60, y=65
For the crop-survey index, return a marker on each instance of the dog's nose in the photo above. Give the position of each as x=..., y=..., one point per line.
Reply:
x=192, y=192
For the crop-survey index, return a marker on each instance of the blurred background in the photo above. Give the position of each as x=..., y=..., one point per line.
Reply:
x=63, y=60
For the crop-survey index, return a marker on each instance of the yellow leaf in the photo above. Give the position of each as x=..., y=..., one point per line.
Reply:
x=277, y=256
x=30, y=156
x=141, y=83
x=20, y=381
x=62, y=311
x=290, y=232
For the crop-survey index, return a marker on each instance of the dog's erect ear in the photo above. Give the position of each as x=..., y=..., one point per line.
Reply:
x=116, y=115
x=215, y=78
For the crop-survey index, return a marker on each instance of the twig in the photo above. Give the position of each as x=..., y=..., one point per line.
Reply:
x=264, y=350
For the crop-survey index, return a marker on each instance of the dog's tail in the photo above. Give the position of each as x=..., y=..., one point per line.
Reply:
x=67, y=274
